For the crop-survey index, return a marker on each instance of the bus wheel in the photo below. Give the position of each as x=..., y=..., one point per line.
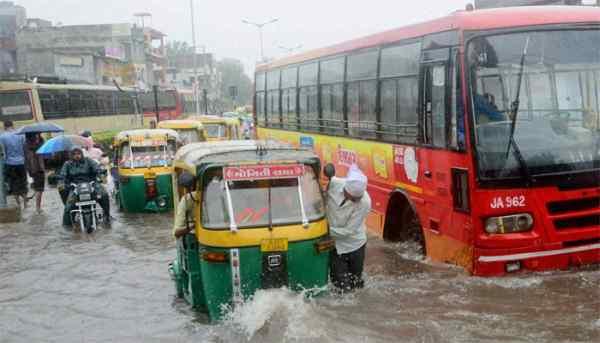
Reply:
x=402, y=223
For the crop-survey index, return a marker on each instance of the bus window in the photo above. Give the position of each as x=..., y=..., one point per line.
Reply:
x=289, y=81
x=308, y=107
x=273, y=118
x=288, y=106
x=15, y=106
x=362, y=94
x=332, y=104
x=435, y=105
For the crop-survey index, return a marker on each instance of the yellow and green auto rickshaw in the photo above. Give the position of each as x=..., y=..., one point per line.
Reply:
x=189, y=131
x=142, y=169
x=259, y=222
x=220, y=128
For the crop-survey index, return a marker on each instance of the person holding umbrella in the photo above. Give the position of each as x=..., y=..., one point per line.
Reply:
x=34, y=164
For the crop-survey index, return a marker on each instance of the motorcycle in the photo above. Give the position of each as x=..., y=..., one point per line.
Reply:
x=87, y=212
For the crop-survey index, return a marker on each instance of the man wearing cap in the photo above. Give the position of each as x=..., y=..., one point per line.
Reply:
x=348, y=205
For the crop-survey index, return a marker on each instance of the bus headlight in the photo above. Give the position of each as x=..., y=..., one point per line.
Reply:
x=521, y=222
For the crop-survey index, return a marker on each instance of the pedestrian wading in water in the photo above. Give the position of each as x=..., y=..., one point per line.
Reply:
x=348, y=205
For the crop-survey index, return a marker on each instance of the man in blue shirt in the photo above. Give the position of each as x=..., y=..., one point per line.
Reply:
x=486, y=110
x=15, y=172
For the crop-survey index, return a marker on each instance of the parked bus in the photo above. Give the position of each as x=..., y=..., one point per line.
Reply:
x=169, y=104
x=479, y=132
x=74, y=107
x=78, y=106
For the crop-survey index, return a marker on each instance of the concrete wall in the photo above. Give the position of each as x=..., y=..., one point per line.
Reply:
x=39, y=63
x=66, y=67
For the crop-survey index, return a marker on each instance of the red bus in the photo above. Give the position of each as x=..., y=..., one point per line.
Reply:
x=479, y=132
x=169, y=104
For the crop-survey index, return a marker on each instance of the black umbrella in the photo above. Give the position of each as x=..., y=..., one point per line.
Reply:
x=40, y=127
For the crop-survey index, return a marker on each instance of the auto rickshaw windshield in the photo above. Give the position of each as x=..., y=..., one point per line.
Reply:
x=215, y=130
x=261, y=203
x=189, y=135
x=147, y=156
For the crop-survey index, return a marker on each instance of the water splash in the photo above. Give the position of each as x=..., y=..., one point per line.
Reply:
x=277, y=315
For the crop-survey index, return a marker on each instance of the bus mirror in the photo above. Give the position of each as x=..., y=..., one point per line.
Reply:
x=329, y=170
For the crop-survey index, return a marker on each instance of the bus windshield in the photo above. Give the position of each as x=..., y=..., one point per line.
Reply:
x=556, y=111
x=251, y=199
x=147, y=156
x=15, y=105
x=216, y=130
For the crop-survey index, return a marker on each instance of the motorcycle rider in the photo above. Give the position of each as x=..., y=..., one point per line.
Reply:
x=77, y=170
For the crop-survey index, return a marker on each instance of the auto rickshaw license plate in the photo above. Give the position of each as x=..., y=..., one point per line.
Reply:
x=276, y=244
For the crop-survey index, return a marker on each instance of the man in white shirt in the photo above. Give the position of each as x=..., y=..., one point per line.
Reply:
x=348, y=205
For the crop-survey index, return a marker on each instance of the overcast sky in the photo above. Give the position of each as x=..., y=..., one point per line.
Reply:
x=312, y=23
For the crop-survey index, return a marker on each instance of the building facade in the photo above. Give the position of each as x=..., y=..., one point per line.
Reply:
x=93, y=54
x=12, y=18
x=181, y=71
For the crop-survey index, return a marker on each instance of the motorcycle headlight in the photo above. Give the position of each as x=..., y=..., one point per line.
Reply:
x=521, y=222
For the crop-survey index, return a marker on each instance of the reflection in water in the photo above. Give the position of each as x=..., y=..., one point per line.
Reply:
x=58, y=285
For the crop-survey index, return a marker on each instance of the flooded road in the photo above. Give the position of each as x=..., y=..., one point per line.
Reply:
x=60, y=286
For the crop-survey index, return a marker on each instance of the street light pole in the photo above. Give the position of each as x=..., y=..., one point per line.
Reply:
x=260, y=27
x=195, y=59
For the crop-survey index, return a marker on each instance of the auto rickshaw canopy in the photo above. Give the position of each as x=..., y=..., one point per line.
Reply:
x=196, y=158
x=146, y=137
x=175, y=124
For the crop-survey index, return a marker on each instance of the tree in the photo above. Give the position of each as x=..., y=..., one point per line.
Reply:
x=177, y=49
x=233, y=75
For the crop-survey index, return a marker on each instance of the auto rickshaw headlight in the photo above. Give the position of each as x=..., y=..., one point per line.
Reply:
x=162, y=202
x=521, y=222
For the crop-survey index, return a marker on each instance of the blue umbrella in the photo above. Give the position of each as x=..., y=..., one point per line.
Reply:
x=62, y=143
x=40, y=127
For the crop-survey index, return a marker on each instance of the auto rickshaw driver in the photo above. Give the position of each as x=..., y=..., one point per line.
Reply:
x=184, y=217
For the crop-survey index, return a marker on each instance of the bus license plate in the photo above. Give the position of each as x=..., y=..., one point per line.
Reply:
x=277, y=244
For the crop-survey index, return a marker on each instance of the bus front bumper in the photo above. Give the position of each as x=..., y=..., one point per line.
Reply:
x=491, y=262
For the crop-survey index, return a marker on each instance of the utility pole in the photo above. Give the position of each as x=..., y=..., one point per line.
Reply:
x=195, y=59
x=260, y=27
x=156, y=108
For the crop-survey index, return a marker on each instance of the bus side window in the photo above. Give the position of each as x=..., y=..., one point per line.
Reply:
x=457, y=119
x=435, y=105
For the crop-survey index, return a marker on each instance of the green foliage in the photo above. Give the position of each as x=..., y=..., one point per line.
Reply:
x=233, y=74
x=178, y=48
x=105, y=139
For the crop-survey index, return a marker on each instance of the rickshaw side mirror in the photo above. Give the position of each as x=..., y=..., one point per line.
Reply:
x=329, y=170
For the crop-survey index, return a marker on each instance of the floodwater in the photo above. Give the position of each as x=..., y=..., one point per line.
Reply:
x=113, y=286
